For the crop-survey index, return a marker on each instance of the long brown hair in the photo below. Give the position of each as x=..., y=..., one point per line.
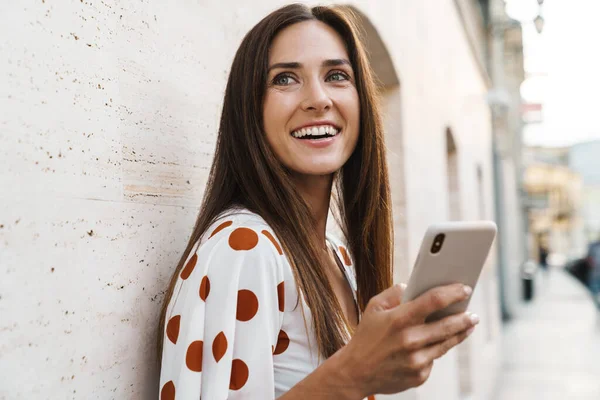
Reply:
x=245, y=172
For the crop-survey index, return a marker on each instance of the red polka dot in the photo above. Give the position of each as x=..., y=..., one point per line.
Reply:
x=189, y=267
x=239, y=375
x=219, y=346
x=173, y=328
x=204, y=288
x=168, y=391
x=220, y=228
x=281, y=296
x=283, y=341
x=193, y=357
x=243, y=239
x=345, y=256
x=247, y=305
x=272, y=239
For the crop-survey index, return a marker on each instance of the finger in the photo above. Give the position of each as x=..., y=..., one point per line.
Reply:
x=418, y=337
x=436, y=351
x=389, y=298
x=446, y=328
x=437, y=299
x=417, y=376
x=423, y=374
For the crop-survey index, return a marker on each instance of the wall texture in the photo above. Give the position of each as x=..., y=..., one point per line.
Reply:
x=108, y=117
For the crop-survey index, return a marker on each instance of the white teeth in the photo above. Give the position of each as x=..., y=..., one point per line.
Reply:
x=316, y=131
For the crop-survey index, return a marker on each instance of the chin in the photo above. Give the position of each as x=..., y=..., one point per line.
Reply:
x=319, y=170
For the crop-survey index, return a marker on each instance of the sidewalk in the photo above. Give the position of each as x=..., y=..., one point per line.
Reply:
x=551, y=350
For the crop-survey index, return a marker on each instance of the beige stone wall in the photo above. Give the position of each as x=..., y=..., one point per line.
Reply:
x=108, y=113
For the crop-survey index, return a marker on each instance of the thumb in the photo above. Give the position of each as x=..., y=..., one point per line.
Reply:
x=390, y=297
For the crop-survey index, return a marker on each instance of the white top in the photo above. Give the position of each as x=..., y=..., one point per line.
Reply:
x=234, y=325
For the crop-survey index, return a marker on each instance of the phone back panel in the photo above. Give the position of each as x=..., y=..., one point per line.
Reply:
x=460, y=260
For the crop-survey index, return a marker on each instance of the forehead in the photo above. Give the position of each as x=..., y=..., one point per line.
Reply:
x=307, y=40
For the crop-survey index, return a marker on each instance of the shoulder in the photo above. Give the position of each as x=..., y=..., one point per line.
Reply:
x=238, y=250
x=242, y=231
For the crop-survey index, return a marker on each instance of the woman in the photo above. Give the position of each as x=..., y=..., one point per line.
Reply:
x=264, y=304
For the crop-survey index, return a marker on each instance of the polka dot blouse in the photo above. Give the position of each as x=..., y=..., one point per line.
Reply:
x=234, y=327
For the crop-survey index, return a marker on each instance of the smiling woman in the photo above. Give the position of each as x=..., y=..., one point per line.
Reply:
x=264, y=303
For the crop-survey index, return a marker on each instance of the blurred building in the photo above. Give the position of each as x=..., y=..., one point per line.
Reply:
x=554, y=203
x=584, y=158
x=506, y=65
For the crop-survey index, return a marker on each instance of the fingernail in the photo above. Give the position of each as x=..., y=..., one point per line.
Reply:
x=403, y=286
x=469, y=331
x=474, y=319
x=467, y=290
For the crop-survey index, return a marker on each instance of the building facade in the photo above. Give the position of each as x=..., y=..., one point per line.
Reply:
x=112, y=116
x=584, y=159
x=554, y=193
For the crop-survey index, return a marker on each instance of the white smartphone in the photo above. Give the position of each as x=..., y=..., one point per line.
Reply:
x=451, y=252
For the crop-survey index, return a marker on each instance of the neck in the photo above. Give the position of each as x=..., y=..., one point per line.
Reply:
x=316, y=191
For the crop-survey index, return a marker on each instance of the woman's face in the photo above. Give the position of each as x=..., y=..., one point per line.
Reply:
x=311, y=111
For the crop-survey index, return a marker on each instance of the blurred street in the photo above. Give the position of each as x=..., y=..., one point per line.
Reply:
x=552, y=350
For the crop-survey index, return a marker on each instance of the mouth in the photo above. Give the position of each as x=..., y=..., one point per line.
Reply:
x=316, y=132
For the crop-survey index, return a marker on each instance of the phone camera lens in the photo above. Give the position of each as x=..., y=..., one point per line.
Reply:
x=438, y=242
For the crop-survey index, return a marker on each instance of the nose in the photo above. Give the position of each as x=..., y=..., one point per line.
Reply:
x=316, y=98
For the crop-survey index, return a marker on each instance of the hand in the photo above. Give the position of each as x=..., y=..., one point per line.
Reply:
x=393, y=349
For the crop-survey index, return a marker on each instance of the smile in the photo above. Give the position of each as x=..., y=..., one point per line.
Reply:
x=316, y=132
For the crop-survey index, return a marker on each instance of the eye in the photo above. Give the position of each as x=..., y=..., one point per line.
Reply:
x=339, y=76
x=283, y=79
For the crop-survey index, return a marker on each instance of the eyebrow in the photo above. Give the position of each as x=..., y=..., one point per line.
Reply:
x=296, y=65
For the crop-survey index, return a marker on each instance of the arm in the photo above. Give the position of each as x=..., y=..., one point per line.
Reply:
x=393, y=349
x=223, y=320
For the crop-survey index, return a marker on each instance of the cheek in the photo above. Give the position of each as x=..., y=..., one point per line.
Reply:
x=351, y=111
x=275, y=115
x=270, y=113
x=276, y=111
x=356, y=109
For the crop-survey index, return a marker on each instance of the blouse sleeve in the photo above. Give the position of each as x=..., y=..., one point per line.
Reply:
x=224, y=318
